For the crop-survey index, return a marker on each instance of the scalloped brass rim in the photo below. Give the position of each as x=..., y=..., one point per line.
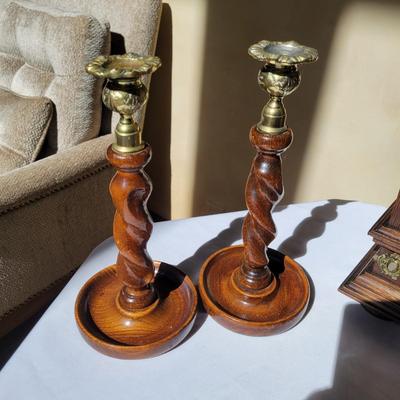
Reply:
x=130, y=65
x=261, y=52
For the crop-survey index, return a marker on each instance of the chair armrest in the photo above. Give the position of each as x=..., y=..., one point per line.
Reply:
x=52, y=214
x=44, y=177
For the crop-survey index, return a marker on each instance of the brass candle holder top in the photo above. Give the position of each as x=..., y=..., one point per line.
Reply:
x=279, y=77
x=125, y=93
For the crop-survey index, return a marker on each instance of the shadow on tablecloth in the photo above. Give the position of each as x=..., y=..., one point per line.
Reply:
x=367, y=360
x=295, y=246
x=311, y=228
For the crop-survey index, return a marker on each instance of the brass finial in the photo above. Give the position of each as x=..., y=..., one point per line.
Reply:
x=125, y=93
x=279, y=77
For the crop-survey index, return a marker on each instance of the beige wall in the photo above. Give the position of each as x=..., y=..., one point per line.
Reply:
x=346, y=113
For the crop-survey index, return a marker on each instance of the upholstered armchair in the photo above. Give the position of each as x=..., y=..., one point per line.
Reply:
x=56, y=209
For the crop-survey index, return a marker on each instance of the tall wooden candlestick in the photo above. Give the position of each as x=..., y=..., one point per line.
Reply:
x=241, y=287
x=136, y=308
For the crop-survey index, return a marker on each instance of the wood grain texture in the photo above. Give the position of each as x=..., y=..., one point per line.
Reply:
x=385, y=231
x=281, y=307
x=136, y=308
x=264, y=189
x=369, y=283
x=239, y=285
x=373, y=289
x=130, y=189
x=394, y=219
x=149, y=335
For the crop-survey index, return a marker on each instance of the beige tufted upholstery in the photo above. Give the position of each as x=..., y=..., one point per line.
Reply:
x=43, y=52
x=24, y=122
x=54, y=211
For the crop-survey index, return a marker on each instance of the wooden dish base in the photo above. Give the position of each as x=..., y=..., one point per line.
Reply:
x=276, y=309
x=148, y=333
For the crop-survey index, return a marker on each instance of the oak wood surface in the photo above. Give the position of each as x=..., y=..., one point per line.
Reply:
x=264, y=189
x=394, y=219
x=237, y=285
x=281, y=307
x=385, y=231
x=165, y=328
x=130, y=189
x=368, y=283
x=136, y=308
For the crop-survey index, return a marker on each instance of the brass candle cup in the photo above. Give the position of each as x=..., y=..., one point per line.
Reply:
x=125, y=93
x=280, y=76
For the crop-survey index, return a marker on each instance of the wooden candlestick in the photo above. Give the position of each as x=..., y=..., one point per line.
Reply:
x=136, y=308
x=242, y=287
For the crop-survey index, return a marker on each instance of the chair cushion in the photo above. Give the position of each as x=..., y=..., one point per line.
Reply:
x=24, y=122
x=43, y=52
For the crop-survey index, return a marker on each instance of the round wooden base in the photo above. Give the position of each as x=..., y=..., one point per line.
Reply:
x=153, y=331
x=271, y=312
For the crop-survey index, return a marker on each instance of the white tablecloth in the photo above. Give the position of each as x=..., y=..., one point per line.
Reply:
x=338, y=351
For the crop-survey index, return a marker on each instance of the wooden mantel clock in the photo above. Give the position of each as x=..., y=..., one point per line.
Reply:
x=375, y=282
x=136, y=308
x=246, y=288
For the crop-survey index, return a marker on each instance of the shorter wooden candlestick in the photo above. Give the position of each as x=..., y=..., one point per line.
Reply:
x=251, y=289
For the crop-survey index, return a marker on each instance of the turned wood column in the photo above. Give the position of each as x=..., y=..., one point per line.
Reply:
x=130, y=189
x=264, y=189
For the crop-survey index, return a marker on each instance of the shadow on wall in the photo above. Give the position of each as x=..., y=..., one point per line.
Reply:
x=157, y=129
x=231, y=100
